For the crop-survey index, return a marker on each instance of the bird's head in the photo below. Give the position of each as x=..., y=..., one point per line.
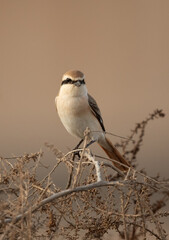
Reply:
x=73, y=83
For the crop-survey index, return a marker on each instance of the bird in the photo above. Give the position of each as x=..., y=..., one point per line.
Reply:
x=78, y=110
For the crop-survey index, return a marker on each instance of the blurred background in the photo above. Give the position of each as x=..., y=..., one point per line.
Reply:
x=121, y=46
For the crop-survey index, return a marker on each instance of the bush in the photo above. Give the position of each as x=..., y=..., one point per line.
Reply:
x=99, y=201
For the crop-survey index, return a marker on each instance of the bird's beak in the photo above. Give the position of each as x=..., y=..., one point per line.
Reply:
x=77, y=83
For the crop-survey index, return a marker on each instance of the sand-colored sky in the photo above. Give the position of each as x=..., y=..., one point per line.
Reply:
x=121, y=46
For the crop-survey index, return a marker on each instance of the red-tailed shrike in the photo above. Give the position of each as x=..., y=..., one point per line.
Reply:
x=78, y=110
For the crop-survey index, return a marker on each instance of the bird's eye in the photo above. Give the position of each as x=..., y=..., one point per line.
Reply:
x=68, y=80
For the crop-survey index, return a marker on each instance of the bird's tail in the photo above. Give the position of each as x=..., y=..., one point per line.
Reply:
x=113, y=153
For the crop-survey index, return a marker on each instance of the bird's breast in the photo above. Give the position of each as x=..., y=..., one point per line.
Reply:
x=72, y=112
x=74, y=106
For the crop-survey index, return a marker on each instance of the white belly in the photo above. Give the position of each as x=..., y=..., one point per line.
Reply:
x=76, y=116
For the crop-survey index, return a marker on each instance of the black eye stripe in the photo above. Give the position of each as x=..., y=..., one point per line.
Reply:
x=82, y=81
x=70, y=81
x=66, y=81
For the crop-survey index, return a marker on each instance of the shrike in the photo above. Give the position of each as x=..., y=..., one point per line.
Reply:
x=78, y=110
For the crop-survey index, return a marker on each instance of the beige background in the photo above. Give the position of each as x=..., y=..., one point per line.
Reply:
x=122, y=46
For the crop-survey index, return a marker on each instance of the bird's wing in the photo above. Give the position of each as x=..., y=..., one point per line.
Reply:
x=95, y=110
